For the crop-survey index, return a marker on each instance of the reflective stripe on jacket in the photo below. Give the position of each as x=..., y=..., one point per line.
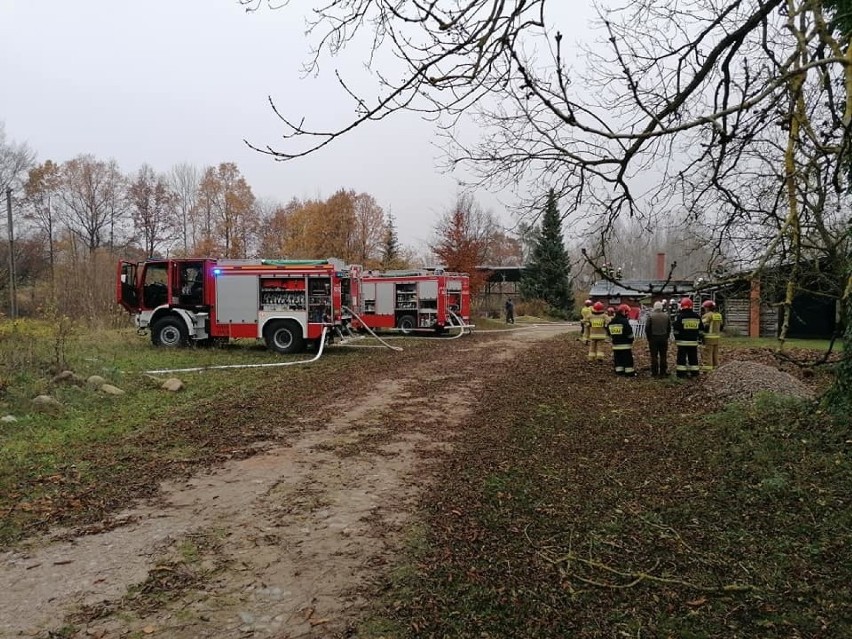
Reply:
x=687, y=328
x=598, y=322
x=712, y=324
x=621, y=331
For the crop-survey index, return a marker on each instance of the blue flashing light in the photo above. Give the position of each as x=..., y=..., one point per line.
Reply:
x=216, y=271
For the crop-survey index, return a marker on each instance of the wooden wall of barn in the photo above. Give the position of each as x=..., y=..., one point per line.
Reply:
x=736, y=315
x=736, y=312
x=813, y=317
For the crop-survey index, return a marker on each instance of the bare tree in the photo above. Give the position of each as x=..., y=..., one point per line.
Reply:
x=274, y=230
x=153, y=208
x=42, y=190
x=632, y=249
x=184, y=180
x=369, y=230
x=90, y=195
x=15, y=160
x=736, y=113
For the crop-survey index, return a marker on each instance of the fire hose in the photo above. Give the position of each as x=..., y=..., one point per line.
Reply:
x=225, y=366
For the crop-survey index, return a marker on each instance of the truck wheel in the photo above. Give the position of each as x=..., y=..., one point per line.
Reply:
x=406, y=323
x=284, y=337
x=169, y=332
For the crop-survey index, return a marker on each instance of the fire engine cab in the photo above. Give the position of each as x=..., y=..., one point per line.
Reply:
x=287, y=303
x=412, y=300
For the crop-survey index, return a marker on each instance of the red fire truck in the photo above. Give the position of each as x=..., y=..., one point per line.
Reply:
x=287, y=303
x=413, y=300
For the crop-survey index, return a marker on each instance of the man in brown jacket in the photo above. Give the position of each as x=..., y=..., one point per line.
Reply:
x=658, y=327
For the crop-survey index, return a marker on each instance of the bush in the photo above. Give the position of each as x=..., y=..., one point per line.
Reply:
x=533, y=308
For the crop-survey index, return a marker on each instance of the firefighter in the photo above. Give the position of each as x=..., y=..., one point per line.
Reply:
x=674, y=309
x=597, y=332
x=712, y=324
x=687, y=329
x=621, y=332
x=585, y=314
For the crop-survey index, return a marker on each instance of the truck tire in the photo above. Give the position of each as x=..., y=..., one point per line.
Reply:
x=406, y=323
x=169, y=332
x=285, y=337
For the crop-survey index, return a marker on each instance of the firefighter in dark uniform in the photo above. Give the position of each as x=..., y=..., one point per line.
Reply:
x=621, y=332
x=687, y=329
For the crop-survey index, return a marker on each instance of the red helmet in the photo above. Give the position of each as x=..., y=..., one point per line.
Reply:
x=588, y=302
x=610, y=309
x=686, y=303
x=624, y=308
x=709, y=304
x=598, y=307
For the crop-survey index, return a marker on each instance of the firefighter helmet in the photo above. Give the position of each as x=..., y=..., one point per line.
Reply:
x=588, y=302
x=709, y=305
x=610, y=310
x=624, y=309
x=598, y=307
x=686, y=303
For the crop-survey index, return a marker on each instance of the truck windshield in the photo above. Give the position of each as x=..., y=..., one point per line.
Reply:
x=155, y=285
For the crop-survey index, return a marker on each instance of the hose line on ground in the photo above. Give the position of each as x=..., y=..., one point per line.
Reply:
x=370, y=331
x=225, y=366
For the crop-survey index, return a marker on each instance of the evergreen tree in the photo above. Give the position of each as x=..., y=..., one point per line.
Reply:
x=547, y=273
x=390, y=246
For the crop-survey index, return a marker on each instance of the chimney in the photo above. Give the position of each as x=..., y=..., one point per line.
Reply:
x=661, y=266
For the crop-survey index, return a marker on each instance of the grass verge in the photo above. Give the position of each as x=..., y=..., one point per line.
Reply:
x=769, y=342
x=96, y=453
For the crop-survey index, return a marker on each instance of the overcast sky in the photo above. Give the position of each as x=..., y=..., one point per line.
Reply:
x=170, y=81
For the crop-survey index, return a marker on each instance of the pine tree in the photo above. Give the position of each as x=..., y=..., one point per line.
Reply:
x=547, y=273
x=390, y=246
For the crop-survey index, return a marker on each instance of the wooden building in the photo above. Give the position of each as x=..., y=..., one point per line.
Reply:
x=502, y=283
x=754, y=309
x=641, y=293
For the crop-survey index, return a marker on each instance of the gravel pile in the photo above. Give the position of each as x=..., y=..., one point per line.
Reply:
x=738, y=380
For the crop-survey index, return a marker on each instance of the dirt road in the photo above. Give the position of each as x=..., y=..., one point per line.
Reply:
x=281, y=544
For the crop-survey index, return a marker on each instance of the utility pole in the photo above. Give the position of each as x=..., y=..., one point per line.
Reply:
x=13, y=296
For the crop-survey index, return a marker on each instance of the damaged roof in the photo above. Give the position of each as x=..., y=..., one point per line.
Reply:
x=640, y=288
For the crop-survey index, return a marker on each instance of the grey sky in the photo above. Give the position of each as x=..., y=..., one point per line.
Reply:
x=169, y=81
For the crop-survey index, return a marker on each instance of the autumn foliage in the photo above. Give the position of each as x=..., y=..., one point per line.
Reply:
x=75, y=219
x=466, y=237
